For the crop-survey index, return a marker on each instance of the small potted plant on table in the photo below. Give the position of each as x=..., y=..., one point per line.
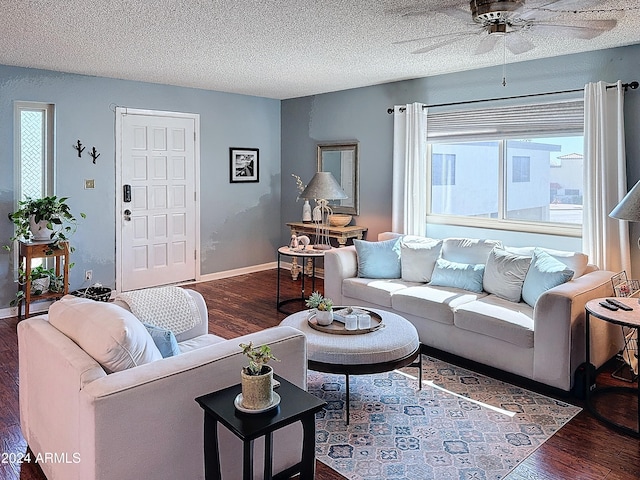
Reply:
x=257, y=377
x=323, y=307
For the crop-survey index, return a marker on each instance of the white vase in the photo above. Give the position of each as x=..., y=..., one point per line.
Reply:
x=40, y=285
x=324, y=317
x=39, y=230
x=306, y=211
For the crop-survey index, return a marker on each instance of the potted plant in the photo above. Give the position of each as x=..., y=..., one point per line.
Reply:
x=47, y=218
x=42, y=280
x=323, y=308
x=257, y=377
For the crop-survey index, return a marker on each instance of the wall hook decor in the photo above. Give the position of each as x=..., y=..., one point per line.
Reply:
x=94, y=154
x=79, y=148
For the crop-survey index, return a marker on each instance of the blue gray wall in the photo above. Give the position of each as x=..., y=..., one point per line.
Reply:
x=239, y=222
x=361, y=114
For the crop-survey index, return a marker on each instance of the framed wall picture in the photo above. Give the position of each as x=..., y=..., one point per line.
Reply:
x=244, y=165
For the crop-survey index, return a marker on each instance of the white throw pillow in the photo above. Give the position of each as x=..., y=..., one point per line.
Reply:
x=575, y=261
x=504, y=274
x=418, y=256
x=113, y=336
x=468, y=250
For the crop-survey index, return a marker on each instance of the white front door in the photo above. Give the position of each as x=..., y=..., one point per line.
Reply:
x=157, y=201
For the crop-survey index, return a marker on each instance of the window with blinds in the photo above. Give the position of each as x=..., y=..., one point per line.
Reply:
x=517, y=168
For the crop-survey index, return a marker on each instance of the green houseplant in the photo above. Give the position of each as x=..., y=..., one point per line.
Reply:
x=257, y=377
x=41, y=279
x=47, y=218
x=323, y=308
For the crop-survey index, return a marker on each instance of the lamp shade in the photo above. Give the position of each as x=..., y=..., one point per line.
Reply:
x=629, y=207
x=324, y=185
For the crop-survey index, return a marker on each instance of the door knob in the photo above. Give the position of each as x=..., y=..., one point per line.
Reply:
x=127, y=215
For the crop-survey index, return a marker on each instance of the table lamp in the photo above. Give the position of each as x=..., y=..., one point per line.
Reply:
x=629, y=207
x=323, y=187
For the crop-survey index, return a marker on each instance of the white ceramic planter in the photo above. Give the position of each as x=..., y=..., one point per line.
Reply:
x=40, y=285
x=324, y=317
x=39, y=230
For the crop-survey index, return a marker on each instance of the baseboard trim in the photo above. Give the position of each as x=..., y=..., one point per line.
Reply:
x=35, y=308
x=237, y=271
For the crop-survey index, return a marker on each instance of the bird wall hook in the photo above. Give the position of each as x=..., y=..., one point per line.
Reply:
x=79, y=148
x=94, y=154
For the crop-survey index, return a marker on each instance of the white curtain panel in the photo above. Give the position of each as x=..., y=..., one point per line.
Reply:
x=409, y=196
x=604, y=239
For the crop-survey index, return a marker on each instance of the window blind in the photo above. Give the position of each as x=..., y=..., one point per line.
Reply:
x=507, y=122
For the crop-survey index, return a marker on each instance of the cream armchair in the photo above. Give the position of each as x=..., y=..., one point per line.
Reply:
x=142, y=422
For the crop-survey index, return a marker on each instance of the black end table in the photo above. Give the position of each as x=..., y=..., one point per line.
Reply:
x=295, y=405
x=630, y=319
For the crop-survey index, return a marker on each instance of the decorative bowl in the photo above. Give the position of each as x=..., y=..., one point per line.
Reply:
x=339, y=220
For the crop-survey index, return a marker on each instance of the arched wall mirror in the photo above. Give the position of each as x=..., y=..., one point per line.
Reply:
x=341, y=159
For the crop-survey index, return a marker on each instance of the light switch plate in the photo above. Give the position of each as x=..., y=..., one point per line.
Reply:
x=89, y=184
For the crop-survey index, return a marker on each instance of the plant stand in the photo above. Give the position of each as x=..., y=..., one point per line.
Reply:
x=27, y=251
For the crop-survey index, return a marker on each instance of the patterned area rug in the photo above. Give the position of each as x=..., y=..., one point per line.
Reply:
x=461, y=425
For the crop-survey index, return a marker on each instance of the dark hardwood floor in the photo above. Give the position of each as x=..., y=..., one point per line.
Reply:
x=583, y=449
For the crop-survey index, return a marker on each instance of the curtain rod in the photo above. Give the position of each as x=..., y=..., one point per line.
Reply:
x=632, y=85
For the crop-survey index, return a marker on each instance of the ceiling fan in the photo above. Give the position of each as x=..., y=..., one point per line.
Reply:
x=512, y=20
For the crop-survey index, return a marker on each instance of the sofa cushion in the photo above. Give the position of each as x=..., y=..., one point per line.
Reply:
x=575, y=261
x=115, y=338
x=418, y=257
x=498, y=318
x=378, y=259
x=458, y=275
x=376, y=291
x=504, y=274
x=468, y=250
x=199, y=342
x=544, y=273
x=433, y=303
x=164, y=339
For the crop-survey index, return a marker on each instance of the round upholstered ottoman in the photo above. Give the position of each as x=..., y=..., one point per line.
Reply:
x=394, y=346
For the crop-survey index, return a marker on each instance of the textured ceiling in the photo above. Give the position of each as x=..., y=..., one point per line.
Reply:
x=270, y=48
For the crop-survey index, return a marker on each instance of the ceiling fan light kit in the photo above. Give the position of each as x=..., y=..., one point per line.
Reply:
x=491, y=11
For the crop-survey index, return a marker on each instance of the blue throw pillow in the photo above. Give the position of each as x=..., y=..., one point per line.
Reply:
x=378, y=259
x=459, y=275
x=164, y=339
x=545, y=272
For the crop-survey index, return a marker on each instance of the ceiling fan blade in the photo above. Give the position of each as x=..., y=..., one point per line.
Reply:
x=486, y=44
x=541, y=10
x=441, y=44
x=422, y=39
x=586, y=32
x=457, y=13
x=517, y=44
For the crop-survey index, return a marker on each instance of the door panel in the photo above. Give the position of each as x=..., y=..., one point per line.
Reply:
x=158, y=238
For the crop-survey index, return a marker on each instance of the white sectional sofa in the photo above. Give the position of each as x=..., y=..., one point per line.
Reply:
x=142, y=421
x=488, y=322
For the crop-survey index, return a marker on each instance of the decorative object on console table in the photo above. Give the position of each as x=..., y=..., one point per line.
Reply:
x=323, y=187
x=306, y=211
x=244, y=165
x=341, y=234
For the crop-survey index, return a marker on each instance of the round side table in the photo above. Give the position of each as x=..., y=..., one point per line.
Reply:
x=308, y=254
x=630, y=319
